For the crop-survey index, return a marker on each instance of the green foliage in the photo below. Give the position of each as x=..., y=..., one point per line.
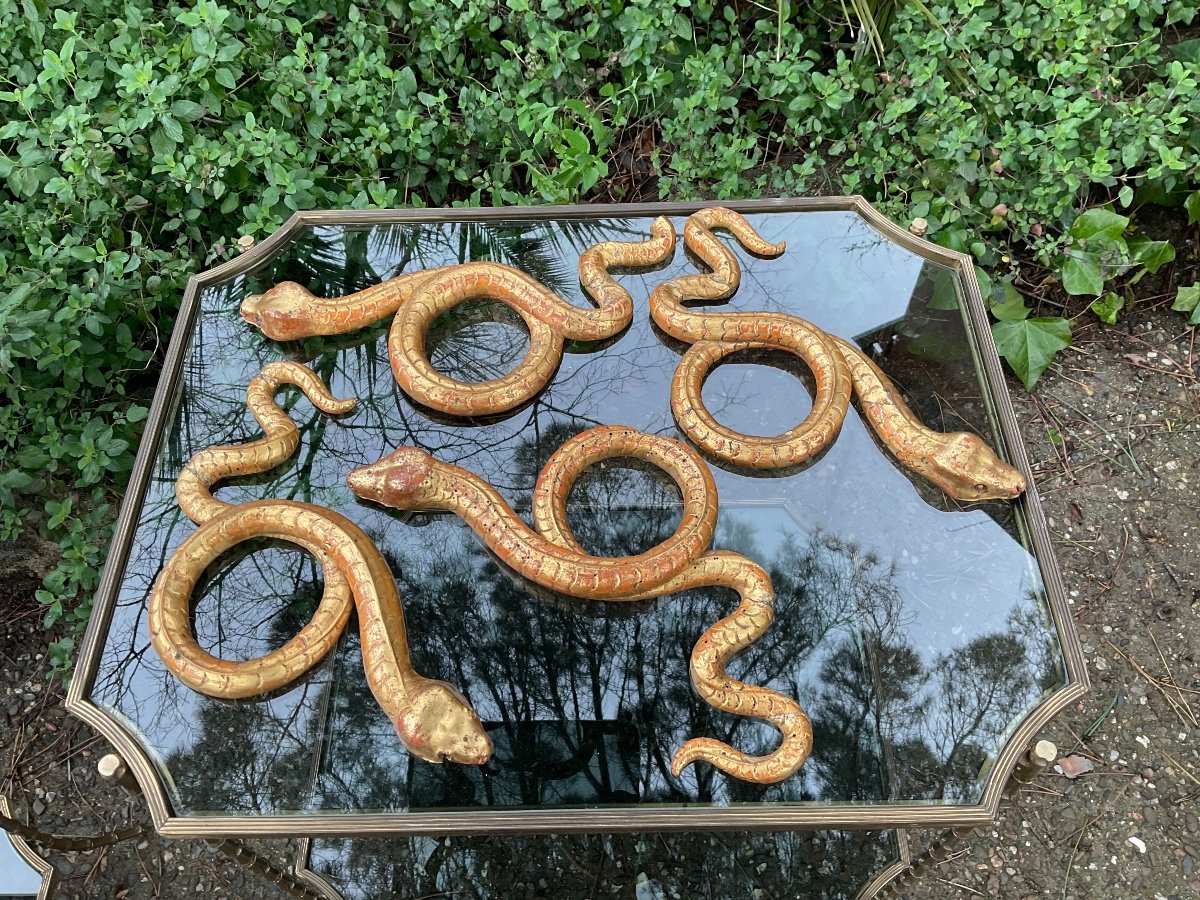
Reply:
x=1187, y=299
x=1030, y=344
x=1097, y=249
x=140, y=140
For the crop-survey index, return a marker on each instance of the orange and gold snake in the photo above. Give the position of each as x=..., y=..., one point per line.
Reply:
x=288, y=311
x=961, y=464
x=411, y=479
x=434, y=721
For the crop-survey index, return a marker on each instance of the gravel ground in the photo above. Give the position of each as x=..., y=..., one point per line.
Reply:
x=1113, y=433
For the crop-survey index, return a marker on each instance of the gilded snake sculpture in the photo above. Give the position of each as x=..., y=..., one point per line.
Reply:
x=288, y=311
x=550, y=556
x=434, y=721
x=961, y=464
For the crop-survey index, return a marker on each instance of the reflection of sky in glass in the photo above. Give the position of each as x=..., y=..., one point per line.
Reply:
x=16, y=876
x=914, y=632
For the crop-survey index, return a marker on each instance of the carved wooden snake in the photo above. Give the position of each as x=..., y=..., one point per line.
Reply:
x=551, y=557
x=961, y=464
x=433, y=719
x=289, y=311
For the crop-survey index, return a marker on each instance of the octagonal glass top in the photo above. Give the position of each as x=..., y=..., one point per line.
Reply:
x=915, y=630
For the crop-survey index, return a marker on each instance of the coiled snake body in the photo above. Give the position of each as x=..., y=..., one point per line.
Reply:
x=289, y=311
x=433, y=719
x=960, y=463
x=551, y=557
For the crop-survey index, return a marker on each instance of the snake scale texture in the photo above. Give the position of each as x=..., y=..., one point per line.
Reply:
x=433, y=720
x=411, y=479
x=961, y=464
x=288, y=311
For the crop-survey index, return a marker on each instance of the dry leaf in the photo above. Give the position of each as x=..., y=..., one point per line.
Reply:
x=1074, y=766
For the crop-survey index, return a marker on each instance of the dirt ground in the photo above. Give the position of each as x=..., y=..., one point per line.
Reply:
x=1113, y=431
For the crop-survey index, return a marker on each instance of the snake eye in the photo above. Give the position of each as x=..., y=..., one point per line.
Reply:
x=980, y=487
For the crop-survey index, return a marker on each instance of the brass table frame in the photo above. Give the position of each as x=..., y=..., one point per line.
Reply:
x=894, y=816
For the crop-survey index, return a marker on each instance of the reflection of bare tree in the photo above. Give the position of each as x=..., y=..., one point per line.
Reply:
x=829, y=865
x=586, y=702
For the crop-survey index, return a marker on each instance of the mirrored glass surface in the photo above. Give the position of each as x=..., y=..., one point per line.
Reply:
x=824, y=865
x=913, y=629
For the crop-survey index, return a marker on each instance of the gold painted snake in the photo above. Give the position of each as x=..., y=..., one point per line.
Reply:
x=551, y=557
x=288, y=311
x=961, y=464
x=434, y=721
x=432, y=718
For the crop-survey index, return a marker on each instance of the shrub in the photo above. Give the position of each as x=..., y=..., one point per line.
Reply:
x=139, y=142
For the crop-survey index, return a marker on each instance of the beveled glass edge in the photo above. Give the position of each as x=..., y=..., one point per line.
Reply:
x=41, y=866
x=523, y=821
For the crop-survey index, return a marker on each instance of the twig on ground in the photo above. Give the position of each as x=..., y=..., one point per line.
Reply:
x=1086, y=825
x=1095, y=726
x=1181, y=710
x=960, y=886
x=1182, y=768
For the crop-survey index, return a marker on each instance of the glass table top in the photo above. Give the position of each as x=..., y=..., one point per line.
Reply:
x=822, y=865
x=915, y=630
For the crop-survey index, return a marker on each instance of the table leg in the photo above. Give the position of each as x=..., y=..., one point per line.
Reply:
x=1031, y=764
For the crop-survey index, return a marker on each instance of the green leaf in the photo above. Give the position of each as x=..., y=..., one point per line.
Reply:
x=1192, y=205
x=1099, y=226
x=945, y=294
x=1151, y=254
x=1081, y=274
x=406, y=81
x=1107, y=307
x=1012, y=307
x=1186, y=51
x=171, y=128
x=15, y=480
x=188, y=110
x=1029, y=345
x=1125, y=196
x=1187, y=299
x=985, y=284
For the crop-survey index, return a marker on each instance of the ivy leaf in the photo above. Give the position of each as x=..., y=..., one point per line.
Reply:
x=1081, y=274
x=1187, y=299
x=1099, y=226
x=1151, y=254
x=1029, y=345
x=1012, y=308
x=1107, y=307
x=1192, y=205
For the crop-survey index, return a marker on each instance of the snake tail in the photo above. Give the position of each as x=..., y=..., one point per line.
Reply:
x=193, y=488
x=719, y=644
x=716, y=647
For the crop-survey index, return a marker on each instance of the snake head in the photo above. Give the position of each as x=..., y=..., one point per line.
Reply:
x=402, y=480
x=440, y=725
x=282, y=313
x=966, y=468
